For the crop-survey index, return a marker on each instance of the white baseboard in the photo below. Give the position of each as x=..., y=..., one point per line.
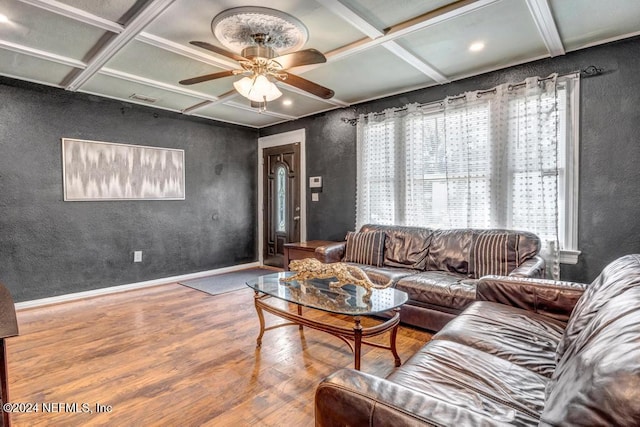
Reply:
x=123, y=288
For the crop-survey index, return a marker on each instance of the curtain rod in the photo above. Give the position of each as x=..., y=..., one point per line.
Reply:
x=589, y=71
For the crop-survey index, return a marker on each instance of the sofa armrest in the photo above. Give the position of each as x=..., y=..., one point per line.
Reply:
x=350, y=397
x=333, y=252
x=552, y=298
x=533, y=267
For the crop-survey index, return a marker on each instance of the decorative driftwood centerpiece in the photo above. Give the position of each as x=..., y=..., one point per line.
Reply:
x=345, y=274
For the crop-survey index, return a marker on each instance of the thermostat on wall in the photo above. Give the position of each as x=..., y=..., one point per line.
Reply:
x=315, y=182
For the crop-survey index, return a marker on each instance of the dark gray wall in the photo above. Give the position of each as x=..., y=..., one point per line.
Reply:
x=609, y=207
x=50, y=247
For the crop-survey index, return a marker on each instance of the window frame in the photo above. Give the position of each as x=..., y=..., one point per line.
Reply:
x=569, y=192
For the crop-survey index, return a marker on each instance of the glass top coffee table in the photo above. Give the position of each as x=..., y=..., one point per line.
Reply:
x=316, y=294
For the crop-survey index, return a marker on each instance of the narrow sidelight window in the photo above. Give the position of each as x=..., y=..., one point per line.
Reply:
x=281, y=198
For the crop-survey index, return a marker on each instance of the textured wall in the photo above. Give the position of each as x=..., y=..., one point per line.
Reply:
x=49, y=247
x=609, y=225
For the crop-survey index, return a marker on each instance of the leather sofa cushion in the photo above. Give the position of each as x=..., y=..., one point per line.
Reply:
x=475, y=381
x=405, y=247
x=439, y=288
x=355, y=398
x=365, y=248
x=617, y=277
x=449, y=251
x=493, y=252
x=477, y=253
x=499, y=252
x=526, y=339
x=382, y=275
x=597, y=380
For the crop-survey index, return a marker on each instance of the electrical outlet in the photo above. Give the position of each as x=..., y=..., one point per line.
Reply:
x=137, y=256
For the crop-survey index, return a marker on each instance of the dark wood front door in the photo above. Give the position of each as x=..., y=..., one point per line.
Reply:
x=281, y=201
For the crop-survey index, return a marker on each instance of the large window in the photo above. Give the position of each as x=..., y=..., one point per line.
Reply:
x=499, y=158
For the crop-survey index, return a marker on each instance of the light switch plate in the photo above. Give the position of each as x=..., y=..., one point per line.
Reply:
x=314, y=197
x=315, y=182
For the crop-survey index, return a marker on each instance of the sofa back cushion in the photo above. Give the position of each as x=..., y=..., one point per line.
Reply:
x=365, y=248
x=477, y=252
x=449, y=251
x=499, y=252
x=405, y=247
x=597, y=378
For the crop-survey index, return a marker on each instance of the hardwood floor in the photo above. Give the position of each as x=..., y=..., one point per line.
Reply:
x=171, y=355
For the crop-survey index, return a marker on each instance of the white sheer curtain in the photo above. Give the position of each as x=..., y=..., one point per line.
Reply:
x=484, y=159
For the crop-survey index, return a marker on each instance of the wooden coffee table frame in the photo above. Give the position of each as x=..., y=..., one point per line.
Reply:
x=357, y=333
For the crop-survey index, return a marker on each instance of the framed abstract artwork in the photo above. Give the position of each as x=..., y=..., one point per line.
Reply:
x=94, y=171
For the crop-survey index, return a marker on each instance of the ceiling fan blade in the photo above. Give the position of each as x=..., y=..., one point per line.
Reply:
x=301, y=57
x=206, y=77
x=219, y=51
x=308, y=86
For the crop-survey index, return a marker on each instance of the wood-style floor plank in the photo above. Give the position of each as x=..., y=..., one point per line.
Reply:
x=171, y=355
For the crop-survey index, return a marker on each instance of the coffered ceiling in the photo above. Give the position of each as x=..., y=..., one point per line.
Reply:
x=137, y=51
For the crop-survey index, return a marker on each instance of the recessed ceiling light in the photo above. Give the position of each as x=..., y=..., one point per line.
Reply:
x=476, y=46
x=287, y=102
x=4, y=19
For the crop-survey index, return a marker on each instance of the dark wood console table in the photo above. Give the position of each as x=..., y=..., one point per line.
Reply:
x=301, y=250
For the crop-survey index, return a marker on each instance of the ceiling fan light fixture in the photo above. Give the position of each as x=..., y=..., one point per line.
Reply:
x=243, y=86
x=263, y=35
x=264, y=90
x=257, y=88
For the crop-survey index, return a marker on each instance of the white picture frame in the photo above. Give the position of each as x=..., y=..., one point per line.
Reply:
x=108, y=171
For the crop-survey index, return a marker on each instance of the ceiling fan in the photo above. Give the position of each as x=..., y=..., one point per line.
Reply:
x=261, y=32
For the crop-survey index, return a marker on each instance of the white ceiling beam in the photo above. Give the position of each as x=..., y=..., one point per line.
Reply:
x=353, y=18
x=196, y=107
x=196, y=54
x=221, y=99
x=434, y=17
x=155, y=84
x=133, y=28
x=416, y=62
x=543, y=17
x=65, y=10
x=387, y=38
x=421, y=22
x=365, y=27
x=333, y=101
x=130, y=100
x=37, y=53
x=240, y=106
x=232, y=122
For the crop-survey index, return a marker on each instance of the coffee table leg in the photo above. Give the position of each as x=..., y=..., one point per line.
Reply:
x=261, y=318
x=300, y=314
x=357, y=345
x=392, y=344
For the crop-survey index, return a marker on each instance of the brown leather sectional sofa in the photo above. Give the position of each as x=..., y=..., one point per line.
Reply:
x=439, y=268
x=529, y=352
